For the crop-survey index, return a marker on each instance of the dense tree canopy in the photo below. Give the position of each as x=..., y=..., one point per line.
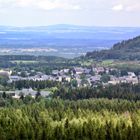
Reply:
x=120, y=91
x=70, y=120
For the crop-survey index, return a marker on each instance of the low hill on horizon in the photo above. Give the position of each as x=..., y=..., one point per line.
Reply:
x=67, y=31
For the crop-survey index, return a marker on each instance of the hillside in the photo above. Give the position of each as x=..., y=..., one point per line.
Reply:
x=125, y=50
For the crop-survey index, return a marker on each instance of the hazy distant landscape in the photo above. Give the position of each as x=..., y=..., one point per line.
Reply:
x=69, y=70
x=61, y=40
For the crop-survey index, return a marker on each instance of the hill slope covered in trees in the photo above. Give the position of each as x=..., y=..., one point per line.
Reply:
x=125, y=50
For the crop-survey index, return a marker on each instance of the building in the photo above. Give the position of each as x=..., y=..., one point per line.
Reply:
x=55, y=72
x=78, y=71
x=5, y=73
x=15, y=78
x=95, y=79
x=98, y=70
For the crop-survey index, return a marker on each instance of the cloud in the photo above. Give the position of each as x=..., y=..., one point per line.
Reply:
x=131, y=8
x=23, y=3
x=119, y=7
x=49, y=5
x=90, y=5
x=127, y=6
x=41, y=4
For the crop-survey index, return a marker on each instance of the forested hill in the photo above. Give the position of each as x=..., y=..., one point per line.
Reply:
x=128, y=45
x=126, y=50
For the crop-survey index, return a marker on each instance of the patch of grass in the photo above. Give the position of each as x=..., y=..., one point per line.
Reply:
x=132, y=65
x=88, y=62
x=107, y=62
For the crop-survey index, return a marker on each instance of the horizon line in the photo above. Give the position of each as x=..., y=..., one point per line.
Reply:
x=78, y=25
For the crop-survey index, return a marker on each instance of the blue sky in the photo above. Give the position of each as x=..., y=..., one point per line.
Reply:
x=79, y=12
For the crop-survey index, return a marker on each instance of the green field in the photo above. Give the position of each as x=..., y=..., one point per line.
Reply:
x=125, y=64
x=107, y=62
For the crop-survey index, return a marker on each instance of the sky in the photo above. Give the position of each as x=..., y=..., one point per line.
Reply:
x=79, y=12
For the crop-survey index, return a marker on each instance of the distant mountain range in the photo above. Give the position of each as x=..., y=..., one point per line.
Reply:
x=73, y=32
x=67, y=40
x=125, y=50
